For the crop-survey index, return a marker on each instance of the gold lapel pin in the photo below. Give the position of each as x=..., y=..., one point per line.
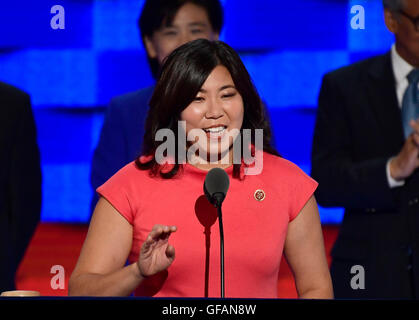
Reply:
x=259, y=195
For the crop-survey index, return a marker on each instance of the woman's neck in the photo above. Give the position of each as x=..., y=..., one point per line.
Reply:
x=203, y=164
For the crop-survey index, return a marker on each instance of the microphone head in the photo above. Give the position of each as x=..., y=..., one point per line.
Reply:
x=216, y=185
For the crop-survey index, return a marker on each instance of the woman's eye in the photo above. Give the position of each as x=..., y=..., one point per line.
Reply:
x=199, y=99
x=228, y=95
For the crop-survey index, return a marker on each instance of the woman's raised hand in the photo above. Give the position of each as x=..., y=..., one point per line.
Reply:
x=156, y=253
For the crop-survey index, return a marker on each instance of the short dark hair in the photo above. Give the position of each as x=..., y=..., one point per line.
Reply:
x=156, y=13
x=394, y=5
x=182, y=76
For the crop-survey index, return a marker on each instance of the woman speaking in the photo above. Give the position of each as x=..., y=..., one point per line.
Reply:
x=153, y=231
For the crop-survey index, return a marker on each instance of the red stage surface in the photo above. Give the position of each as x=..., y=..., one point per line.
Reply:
x=60, y=244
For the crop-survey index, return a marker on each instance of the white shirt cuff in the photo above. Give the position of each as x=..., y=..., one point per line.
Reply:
x=392, y=182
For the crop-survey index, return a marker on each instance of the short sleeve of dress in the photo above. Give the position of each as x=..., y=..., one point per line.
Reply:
x=117, y=192
x=302, y=188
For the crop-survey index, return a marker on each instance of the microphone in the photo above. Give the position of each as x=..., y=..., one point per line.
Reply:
x=216, y=185
x=215, y=188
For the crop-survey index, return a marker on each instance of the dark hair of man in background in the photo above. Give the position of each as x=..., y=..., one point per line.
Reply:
x=158, y=13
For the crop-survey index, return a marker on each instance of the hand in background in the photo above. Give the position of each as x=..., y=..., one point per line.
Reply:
x=156, y=253
x=407, y=161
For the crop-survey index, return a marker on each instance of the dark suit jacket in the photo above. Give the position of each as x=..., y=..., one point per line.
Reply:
x=358, y=128
x=121, y=136
x=20, y=181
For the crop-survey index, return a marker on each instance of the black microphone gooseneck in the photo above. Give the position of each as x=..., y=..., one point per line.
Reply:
x=220, y=223
x=215, y=188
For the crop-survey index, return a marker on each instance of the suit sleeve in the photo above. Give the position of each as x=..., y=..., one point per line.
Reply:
x=25, y=181
x=111, y=152
x=344, y=182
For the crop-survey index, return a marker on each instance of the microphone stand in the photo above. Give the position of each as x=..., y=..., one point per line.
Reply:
x=219, y=197
x=220, y=220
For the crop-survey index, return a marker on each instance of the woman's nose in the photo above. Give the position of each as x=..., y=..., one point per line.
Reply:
x=214, y=110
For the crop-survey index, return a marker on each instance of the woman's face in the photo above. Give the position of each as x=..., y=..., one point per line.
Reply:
x=216, y=112
x=191, y=22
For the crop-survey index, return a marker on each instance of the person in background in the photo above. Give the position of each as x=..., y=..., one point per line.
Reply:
x=20, y=181
x=164, y=26
x=365, y=158
x=205, y=86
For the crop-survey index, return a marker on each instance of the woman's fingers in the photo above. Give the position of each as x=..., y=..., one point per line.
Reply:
x=159, y=232
x=170, y=252
x=156, y=252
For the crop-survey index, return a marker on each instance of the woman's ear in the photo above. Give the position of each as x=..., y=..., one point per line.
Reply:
x=391, y=21
x=149, y=46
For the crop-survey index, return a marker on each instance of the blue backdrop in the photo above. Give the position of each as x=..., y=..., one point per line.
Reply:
x=71, y=74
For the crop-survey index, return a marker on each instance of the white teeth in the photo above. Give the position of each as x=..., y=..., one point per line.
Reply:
x=215, y=129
